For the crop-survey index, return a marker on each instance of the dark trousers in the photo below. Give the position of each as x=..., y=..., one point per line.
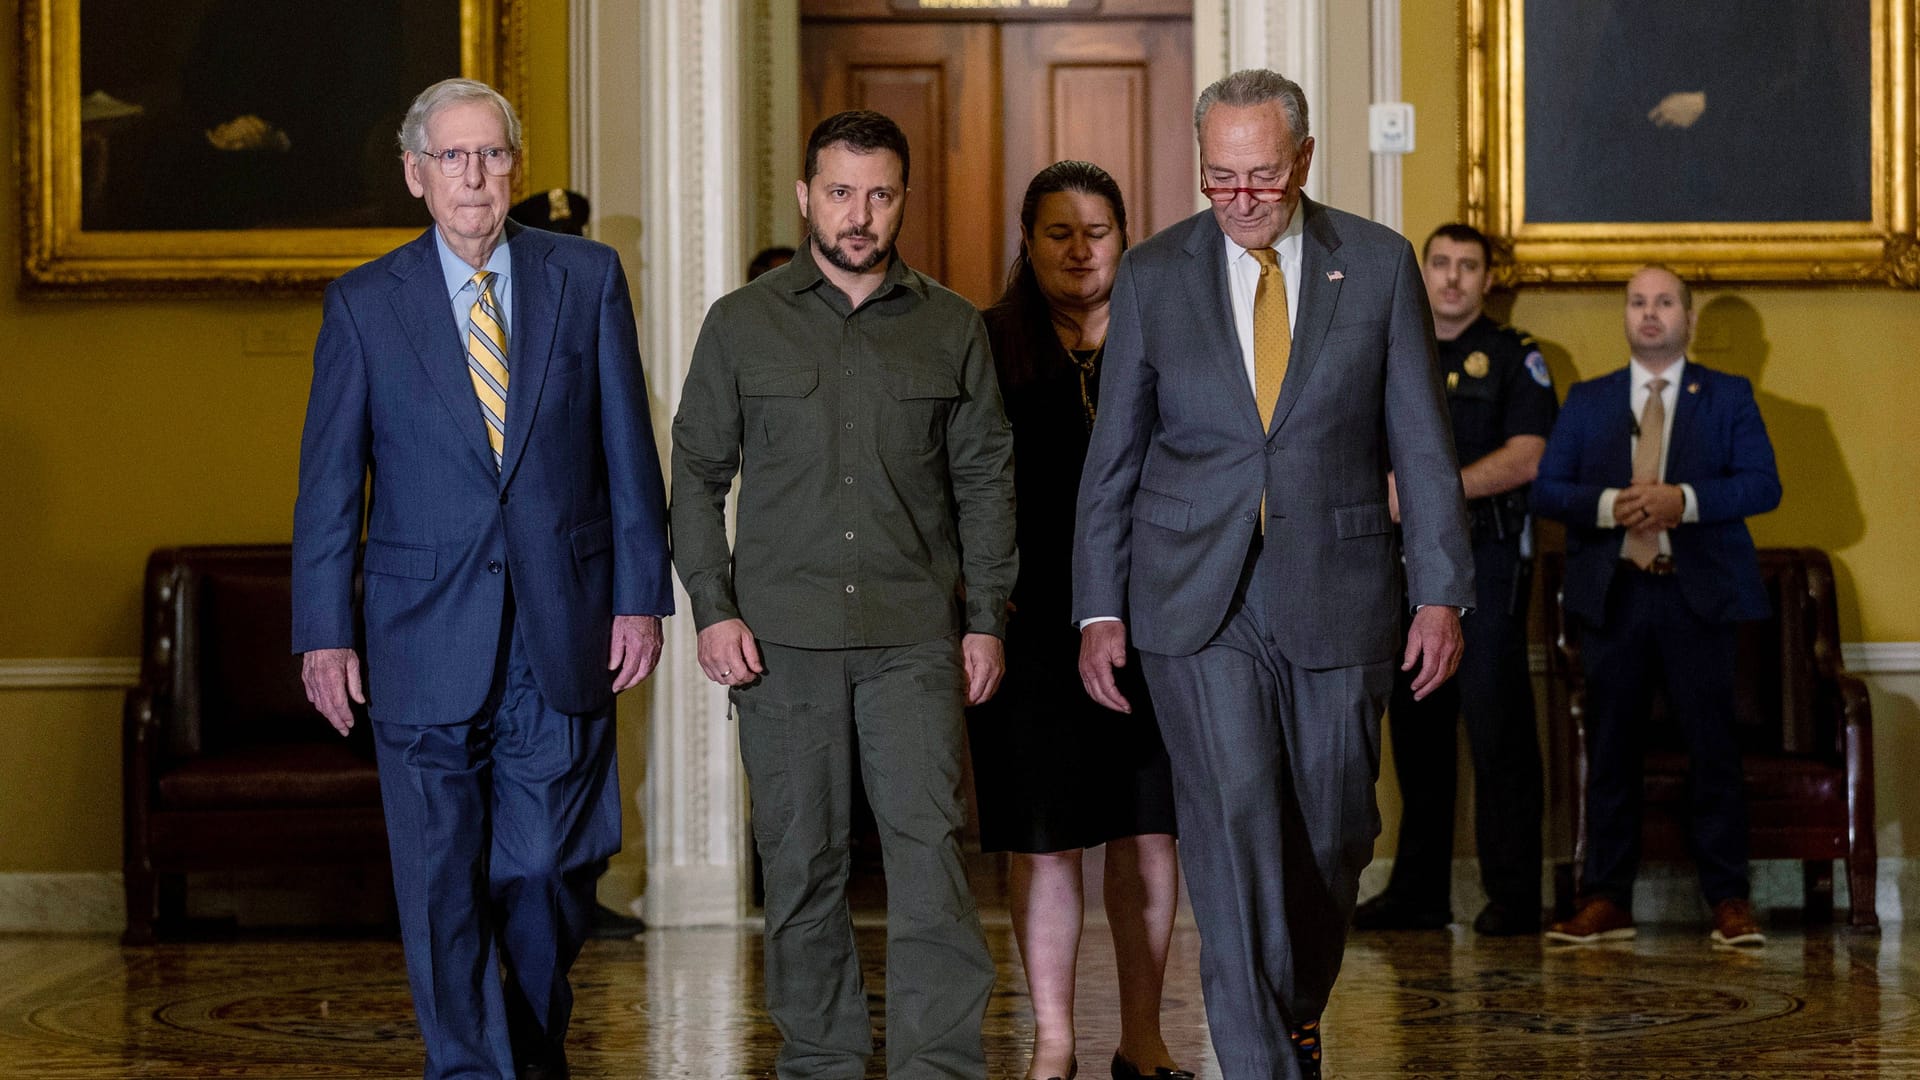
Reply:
x=499, y=825
x=1651, y=636
x=896, y=715
x=1273, y=774
x=1494, y=695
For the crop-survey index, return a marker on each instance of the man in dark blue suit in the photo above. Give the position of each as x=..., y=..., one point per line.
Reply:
x=1654, y=469
x=488, y=379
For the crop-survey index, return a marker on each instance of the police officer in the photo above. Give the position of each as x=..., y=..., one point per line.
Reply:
x=1503, y=406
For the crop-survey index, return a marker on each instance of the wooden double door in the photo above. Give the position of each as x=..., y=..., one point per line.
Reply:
x=989, y=97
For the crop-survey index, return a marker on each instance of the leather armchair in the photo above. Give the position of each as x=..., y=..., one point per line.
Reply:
x=227, y=767
x=1804, y=725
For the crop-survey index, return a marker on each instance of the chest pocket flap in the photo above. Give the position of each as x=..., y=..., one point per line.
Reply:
x=913, y=384
x=786, y=380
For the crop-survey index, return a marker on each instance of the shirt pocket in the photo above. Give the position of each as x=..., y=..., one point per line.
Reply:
x=774, y=400
x=918, y=403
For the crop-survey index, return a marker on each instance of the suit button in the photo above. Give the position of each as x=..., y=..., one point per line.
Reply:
x=503, y=498
x=1271, y=450
x=493, y=566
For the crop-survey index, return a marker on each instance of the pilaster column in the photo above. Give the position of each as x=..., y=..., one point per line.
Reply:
x=657, y=138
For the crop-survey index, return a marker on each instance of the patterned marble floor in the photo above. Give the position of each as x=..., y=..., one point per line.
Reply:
x=685, y=1004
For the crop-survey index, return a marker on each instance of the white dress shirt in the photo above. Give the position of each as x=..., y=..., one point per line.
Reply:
x=1641, y=380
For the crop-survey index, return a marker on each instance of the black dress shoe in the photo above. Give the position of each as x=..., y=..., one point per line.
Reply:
x=1388, y=912
x=606, y=924
x=1306, y=1048
x=1125, y=1070
x=1498, y=920
x=545, y=1072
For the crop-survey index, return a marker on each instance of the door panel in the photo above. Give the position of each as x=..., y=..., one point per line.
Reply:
x=1116, y=93
x=938, y=82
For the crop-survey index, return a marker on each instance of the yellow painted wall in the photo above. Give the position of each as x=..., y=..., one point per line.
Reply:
x=126, y=426
x=1833, y=369
x=1835, y=376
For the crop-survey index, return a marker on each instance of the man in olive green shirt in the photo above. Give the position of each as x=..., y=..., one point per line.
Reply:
x=862, y=605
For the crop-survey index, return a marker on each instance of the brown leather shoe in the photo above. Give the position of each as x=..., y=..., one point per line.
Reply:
x=1734, y=924
x=1598, y=919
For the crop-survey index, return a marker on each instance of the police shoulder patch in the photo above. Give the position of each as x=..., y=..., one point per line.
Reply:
x=1537, y=367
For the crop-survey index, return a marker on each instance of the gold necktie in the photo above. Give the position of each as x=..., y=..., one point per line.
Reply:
x=1272, y=335
x=487, y=362
x=1272, y=344
x=1643, y=548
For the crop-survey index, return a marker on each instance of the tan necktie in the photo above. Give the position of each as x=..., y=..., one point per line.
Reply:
x=487, y=362
x=1643, y=548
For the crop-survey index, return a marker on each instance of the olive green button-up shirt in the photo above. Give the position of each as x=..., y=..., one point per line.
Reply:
x=875, y=464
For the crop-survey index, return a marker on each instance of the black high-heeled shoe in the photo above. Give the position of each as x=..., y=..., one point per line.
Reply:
x=1073, y=1070
x=1126, y=1070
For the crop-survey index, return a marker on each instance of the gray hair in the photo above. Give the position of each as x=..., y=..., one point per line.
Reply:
x=450, y=92
x=1256, y=86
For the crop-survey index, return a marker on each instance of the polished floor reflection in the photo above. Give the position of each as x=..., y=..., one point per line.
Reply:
x=685, y=1004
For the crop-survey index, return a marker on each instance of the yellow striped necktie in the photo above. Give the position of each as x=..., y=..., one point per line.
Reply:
x=1272, y=344
x=487, y=362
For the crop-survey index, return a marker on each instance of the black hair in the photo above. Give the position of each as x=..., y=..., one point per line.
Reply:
x=1460, y=233
x=767, y=258
x=1023, y=301
x=863, y=131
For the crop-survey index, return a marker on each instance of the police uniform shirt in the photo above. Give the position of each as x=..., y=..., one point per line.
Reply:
x=1497, y=387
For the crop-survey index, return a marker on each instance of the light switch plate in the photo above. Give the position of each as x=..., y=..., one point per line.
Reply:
x=1390, y=127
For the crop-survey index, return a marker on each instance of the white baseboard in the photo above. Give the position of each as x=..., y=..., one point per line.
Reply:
x=63, y=903
x=1668, y=892
x=679, y=896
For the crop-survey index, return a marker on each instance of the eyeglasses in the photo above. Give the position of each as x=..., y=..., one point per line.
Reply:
x=496, y=160
x=1224, y=195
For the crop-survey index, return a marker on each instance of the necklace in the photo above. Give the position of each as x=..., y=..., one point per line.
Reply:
x=1089, y=365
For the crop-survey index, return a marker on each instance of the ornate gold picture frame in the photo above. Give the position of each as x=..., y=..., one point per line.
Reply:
x=229, y=147
x=1811, y=181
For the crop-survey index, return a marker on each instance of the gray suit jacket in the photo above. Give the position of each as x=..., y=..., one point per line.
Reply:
x=1171, y=491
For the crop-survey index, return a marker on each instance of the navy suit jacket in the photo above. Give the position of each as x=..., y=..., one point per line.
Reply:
x=1719, y=446
x=575, y=516
x=1170, y=497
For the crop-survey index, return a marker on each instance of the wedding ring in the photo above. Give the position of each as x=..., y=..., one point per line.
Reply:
x=726, y=673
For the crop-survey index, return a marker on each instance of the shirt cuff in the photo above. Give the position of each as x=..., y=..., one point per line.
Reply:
x=1605, y=521
x=1691, y=514
x=1091, y=619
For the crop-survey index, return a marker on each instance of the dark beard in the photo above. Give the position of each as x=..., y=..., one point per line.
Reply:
x=833, y=254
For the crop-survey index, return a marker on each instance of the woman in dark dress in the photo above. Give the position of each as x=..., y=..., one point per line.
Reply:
x=1056, y=773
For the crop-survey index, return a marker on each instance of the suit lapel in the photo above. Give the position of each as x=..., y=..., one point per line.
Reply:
x=1207, y=292
x=1686, y=408
x=1322, y=273
x=422, y=306
x=1622, y=424
x=538, y=283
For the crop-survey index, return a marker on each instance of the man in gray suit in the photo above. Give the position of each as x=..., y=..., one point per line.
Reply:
x=1268, y=364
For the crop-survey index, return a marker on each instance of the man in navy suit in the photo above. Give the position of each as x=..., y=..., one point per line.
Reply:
x=1654, y=469
x=488, y=379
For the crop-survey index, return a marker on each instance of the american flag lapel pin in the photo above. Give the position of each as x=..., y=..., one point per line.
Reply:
x=1336, y=275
